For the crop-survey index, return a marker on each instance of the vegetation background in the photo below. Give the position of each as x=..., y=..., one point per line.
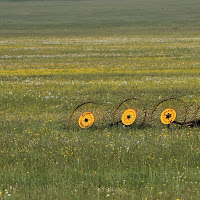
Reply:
x=56, y=54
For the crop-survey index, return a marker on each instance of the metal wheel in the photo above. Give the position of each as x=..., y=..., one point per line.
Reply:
x=169, y=111
x=88, y=114
x=130, y=112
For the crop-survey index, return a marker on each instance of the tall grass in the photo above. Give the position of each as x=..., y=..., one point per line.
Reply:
x=54, y=55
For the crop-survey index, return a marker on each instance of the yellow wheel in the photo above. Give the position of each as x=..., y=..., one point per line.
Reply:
x=168, y=116
x=130, y=111
x=169, y=111
x=129, y=116
x=88, y=114
x=86, y=120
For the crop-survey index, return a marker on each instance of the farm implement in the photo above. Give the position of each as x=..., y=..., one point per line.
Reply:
x=131, y=112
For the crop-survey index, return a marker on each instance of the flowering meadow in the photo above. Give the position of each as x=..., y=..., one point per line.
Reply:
x=43, y=80
x=46, y=70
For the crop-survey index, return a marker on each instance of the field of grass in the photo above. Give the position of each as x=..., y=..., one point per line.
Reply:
x=55, y=55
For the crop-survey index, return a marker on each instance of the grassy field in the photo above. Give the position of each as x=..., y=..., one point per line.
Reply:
x=54, y=55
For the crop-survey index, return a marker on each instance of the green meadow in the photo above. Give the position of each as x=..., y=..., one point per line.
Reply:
x=55, y=55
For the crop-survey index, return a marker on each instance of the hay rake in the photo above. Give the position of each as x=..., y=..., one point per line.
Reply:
x=132, y=112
